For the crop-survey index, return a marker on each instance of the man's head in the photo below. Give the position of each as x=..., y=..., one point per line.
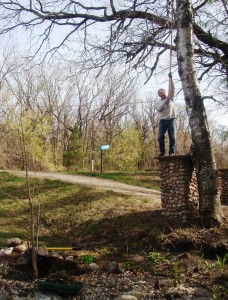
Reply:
x=162, y=93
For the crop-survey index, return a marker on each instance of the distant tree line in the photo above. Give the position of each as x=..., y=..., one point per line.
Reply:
x=66, y=116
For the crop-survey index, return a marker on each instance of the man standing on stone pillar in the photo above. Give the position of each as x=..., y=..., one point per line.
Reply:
x=166, y=108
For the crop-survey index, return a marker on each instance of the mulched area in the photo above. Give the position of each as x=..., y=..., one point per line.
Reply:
x=192, y=264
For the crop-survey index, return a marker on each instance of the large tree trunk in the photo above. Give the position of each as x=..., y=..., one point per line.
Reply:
x=209, y=200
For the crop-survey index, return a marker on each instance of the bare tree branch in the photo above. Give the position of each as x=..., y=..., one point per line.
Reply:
x=137, y=29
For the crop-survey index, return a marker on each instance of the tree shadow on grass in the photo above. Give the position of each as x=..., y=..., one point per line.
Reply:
x=135, y=231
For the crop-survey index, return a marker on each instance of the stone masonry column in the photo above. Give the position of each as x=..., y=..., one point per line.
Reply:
x=223, y=185
x=179, y=191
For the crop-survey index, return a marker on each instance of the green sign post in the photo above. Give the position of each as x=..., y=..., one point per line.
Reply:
x=103, y=147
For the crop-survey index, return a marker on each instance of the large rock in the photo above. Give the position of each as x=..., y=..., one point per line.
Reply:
x=20, y=248
x=6, y=251
x=127, y=297
x=47, y=296
x=13, y=242
x=113, y=267
x=43, y=251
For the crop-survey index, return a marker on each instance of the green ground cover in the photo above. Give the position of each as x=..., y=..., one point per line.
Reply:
x=72, y=213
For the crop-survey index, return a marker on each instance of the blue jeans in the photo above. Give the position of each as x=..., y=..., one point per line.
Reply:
x=170, y=126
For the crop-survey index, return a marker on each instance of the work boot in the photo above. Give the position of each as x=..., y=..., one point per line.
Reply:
x=161, y=154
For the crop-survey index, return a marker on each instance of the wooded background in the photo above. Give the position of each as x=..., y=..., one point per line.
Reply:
x=66, y=116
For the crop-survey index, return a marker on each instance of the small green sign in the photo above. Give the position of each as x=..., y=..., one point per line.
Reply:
x=104, y=147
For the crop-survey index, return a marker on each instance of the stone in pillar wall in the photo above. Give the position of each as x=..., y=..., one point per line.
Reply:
x=179, y=190
x=223, y=185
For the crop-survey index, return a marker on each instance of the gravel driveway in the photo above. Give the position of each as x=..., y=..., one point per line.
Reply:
x=115, y=186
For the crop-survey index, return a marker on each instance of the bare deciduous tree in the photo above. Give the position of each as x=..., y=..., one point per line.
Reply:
x=139, y=30
x=139, y=33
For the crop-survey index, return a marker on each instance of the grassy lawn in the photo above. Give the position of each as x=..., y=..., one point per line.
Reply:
x=72, y=213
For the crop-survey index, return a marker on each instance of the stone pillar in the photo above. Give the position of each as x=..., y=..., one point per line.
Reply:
x=179, y=191
x=223, y=185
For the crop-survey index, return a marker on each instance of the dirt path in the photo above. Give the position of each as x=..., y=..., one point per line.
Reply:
x=100, y=183
x=94, y=182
